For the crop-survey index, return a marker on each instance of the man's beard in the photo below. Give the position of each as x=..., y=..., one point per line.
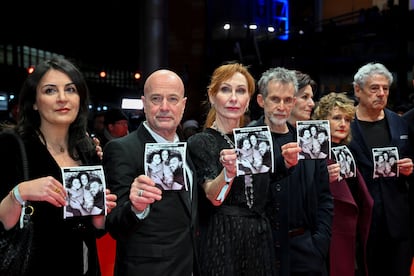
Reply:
x=276, y=121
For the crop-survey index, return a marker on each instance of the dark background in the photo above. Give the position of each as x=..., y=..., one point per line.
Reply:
x=338, y=37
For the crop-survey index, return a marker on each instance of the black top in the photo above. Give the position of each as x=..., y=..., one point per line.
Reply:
x=235, y=239
x=301, y=203
x=58, y=243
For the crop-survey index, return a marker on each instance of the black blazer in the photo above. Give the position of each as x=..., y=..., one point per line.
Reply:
x=302, y=200
x=165, y=242
x=390, y=192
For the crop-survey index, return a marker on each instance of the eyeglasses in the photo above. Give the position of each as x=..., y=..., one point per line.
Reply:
x=286, y=101
x=158, y=100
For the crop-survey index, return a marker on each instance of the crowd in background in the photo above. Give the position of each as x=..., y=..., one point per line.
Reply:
x=306, y=217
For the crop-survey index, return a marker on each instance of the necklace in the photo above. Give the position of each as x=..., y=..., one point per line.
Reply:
x=224, y=135
x=43, y=139
x=61, y=148
x=248, y=190
x=248, y=178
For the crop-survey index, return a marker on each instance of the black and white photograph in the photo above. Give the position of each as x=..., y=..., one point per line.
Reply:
x=385, y=162
x=85, y=186
x=165, y=163
x=314, y=138
x=254, y=150
x=346, y=161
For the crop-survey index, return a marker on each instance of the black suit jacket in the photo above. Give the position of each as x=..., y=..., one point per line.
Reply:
x=300, y=200
x=390, y=194
x=165, y=242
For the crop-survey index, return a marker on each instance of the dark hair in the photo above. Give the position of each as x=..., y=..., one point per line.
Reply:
x=29, y=119
x=322, y=130
x=302, y=130
x=114, y=115
x=150, y=156
x=304, y=79
x=244, y=138
x=83, y=173
x=175, y=155
x=91, y=180
x=69, y=182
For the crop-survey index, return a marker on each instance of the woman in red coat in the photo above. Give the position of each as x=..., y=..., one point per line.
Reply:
x=352, y=201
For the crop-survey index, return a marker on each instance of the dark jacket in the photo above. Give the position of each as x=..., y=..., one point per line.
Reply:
x=165, y=242
x=390, y=226
x=58, y=242
x=303, y=206
x=391, y=192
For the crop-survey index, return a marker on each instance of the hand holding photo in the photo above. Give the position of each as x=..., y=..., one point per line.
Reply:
x=385, y=162
x=85, y=186
x=314, y=138
x=165, y=163
x=344, y=157
x=255, y=150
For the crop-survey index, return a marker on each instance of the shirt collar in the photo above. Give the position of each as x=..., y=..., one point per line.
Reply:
x=158, y=138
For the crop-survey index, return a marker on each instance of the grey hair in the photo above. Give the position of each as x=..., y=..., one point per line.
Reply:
x=277, y=74
x=370, y=69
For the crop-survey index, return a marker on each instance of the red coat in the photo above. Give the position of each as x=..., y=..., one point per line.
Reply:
x=348, y=220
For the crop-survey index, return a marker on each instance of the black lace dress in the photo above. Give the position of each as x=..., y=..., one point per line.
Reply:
x=235, y=239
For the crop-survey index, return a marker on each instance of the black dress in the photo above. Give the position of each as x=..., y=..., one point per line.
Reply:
x=58, y=244
x=235, y=239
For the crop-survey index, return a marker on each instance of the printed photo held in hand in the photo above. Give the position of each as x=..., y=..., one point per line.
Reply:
x=164, y=164
x=85, y=186
x=385, y=162
x=254, y=150
x=345, y=159
x=314, y=138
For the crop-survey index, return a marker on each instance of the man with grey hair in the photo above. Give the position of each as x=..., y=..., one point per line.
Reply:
x=302, y=205
x=376, y=126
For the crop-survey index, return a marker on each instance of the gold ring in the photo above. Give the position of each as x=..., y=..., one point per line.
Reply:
x=140, y=193
x=57, y=190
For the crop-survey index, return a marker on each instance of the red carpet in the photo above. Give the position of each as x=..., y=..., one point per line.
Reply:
x=412, y=268
x=106, y=252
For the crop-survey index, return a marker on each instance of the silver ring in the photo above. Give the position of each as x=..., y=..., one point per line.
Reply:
x=140, y=193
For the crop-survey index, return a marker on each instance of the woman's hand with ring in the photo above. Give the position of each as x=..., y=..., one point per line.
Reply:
x=228, y=159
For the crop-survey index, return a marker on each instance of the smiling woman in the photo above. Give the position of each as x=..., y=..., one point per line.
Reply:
x=53, y=110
